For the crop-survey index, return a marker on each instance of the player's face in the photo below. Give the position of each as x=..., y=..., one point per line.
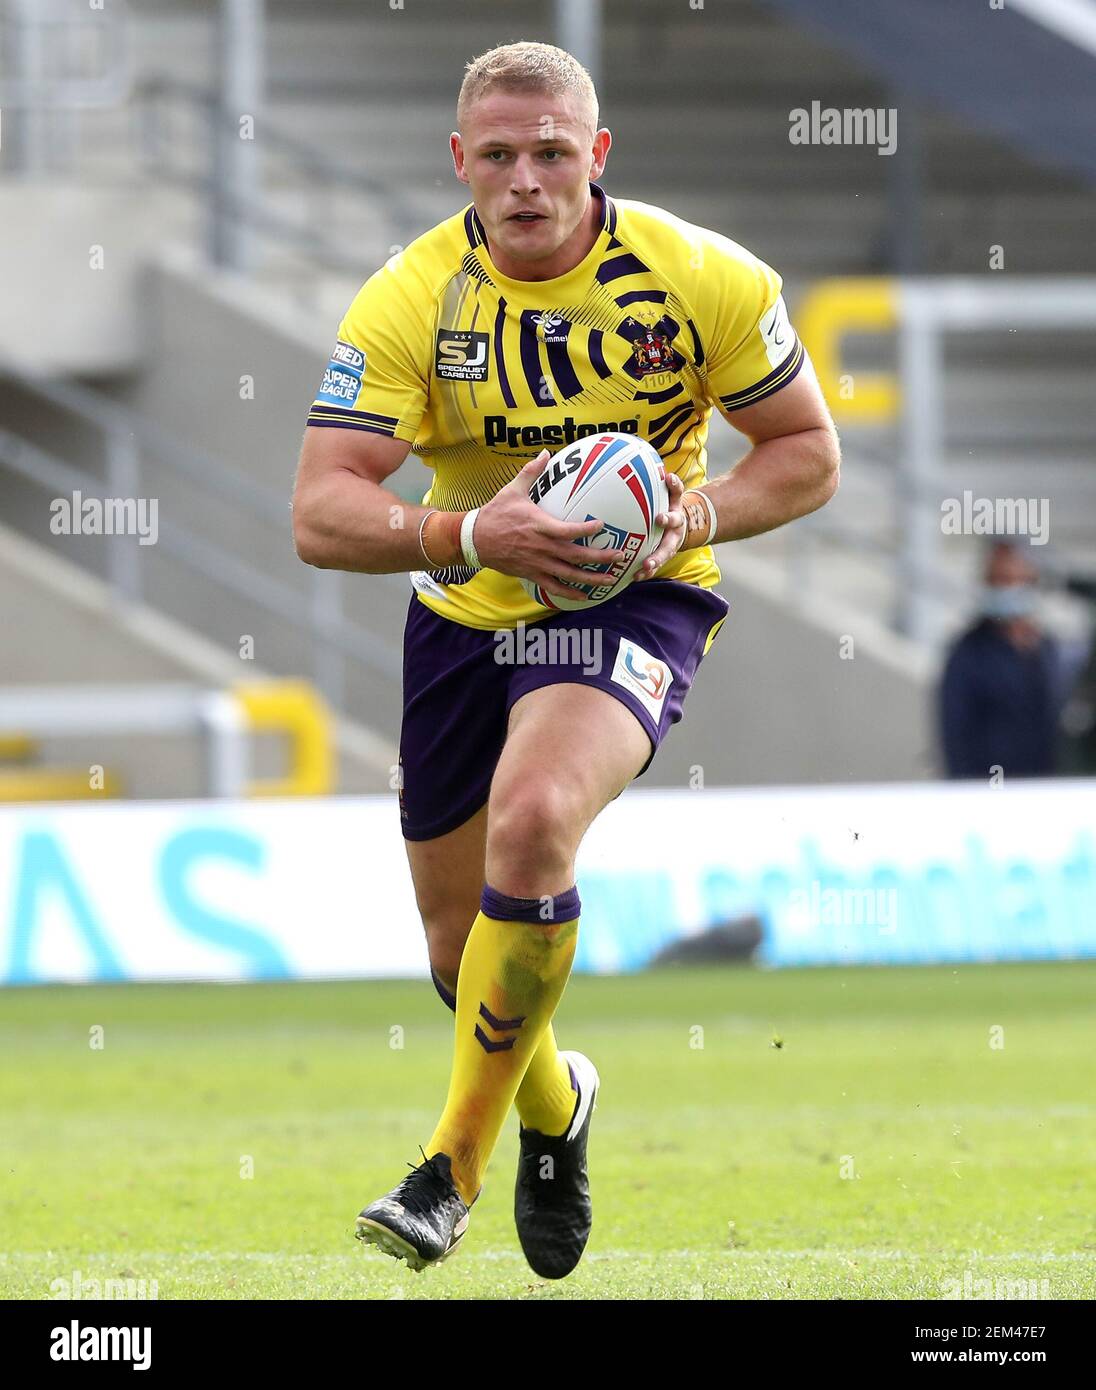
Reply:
x=528, y=159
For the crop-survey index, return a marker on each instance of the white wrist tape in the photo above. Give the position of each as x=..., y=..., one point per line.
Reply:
x=467, y=544
x=696, y=492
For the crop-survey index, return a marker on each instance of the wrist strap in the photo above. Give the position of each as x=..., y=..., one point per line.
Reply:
x=467, y=544
x=696, y=492
x=422, y=545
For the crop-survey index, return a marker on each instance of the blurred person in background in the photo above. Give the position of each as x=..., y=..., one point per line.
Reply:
x=1002, y=688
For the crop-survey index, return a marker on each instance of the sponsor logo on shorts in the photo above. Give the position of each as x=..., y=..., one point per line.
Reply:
x=497, y=431
x=461, y=356
x=643, y=674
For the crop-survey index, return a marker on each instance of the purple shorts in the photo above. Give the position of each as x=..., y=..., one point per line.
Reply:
x=642, y=647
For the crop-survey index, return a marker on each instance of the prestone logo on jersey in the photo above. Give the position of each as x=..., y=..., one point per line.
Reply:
x=497, y=431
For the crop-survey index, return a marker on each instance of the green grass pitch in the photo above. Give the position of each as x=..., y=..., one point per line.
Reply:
x=807, y=1134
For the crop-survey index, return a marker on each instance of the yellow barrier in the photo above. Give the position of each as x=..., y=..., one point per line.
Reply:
x=17, y=748
x=292, y=708
x=55, y=785
x=829, y=311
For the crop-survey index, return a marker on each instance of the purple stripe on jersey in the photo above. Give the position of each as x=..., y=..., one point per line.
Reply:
x=657, y=397
x=338, y=411
x=677, y=417
x=535, y=379
x=597, y=355
x=671, y=449
x=470, y=227
x=778, y=377
x=500, y=359
x=613, y=269
x=668, y=418
x=348, y=425
x=559, y=364
x=635, y=296
x=698, y=346
x=564, y=907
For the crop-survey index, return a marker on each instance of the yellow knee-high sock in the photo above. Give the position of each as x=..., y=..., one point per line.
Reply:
x=512, y=975
x=546, y=1097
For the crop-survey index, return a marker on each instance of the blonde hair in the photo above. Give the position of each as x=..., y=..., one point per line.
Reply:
x=528, y=67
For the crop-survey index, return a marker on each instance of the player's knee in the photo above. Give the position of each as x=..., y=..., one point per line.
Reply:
x=534, y=823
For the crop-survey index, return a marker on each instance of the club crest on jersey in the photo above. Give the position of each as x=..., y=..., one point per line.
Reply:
x=343, y=378
x=652, y=348
x=461, y=355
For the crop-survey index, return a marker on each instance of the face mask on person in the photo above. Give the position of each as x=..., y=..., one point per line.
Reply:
x=1005, y=601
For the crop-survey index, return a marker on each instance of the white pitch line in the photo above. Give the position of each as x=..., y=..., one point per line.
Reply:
x=130, y=1258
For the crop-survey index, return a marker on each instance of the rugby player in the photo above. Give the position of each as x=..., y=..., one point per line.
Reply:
x=543, y=312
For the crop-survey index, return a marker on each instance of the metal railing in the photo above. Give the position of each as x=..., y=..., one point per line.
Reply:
x=927, y=310
x=226, y=720
x=164, y=106
x=922, y=314
x=316, y=612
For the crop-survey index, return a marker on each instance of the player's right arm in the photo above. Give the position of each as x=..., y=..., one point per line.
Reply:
x=344, y=518
x=361, y=427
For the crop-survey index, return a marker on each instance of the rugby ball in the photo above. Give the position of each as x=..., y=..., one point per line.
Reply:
x=618, y=479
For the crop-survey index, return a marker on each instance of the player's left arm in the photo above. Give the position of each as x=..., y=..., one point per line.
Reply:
x=793, y=468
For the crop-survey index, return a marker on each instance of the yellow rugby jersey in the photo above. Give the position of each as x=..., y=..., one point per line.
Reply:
x=658, y=325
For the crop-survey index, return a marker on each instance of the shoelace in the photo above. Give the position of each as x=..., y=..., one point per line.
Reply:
x=420, y=1190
